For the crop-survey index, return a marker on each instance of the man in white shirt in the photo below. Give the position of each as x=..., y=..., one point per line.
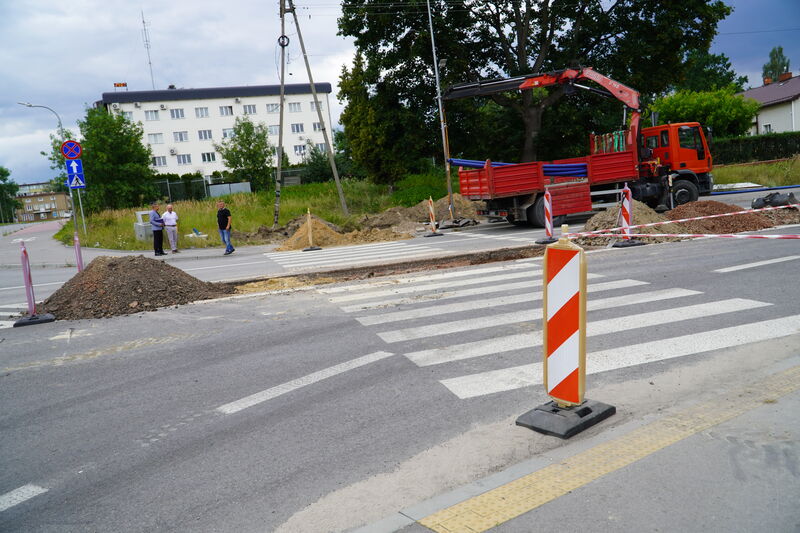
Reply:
x=170, y=219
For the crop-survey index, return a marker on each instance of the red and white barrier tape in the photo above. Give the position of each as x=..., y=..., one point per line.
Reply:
x=651, y=224
x=687, y=235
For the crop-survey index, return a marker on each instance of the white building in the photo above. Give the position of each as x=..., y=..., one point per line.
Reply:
x=181, y=126
x=780, y=105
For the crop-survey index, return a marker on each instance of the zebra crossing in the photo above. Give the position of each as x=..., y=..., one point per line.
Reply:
x=363, y=254
x=521, y=236
x=419, y=317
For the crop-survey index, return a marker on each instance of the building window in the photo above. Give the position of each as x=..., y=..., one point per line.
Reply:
x=314, y=106
x=322, y=148
x=300, y=149
x=297, y=128
x=160, y=161
x=664, y=139
x=225, y=110
x=28, y=208
x=55, y=214
x=151, y=115
x=209, y=157
x=250, y=109
x=27, y=200
x=274, y=130
x=155, y=138
x=204, y=135
x=180, y=136
x=184, y=159
x=127, y=115
x=273, y=108
x=318, y=126
x=227, y=133
x=201, y=112
x=294, y=107
x=176, y=113
x=767, y=128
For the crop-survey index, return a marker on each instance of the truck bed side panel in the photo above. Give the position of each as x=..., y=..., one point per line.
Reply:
x=611, y=167
x=500, y=182
x=571, y=198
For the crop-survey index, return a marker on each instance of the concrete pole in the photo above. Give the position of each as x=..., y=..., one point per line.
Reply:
x=283, y=42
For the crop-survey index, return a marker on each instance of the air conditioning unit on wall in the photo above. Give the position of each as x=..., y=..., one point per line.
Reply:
x=163, y=106
x=173, y=151
x=114, y=106
x=237, y=100
x=137, y=104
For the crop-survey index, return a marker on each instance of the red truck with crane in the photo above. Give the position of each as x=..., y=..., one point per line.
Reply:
x=663, y=165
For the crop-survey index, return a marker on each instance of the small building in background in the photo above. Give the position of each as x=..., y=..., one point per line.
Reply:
x=39, y=202
x=780, y=105
x=181, y=126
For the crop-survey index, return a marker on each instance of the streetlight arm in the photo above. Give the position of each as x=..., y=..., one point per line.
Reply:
x=60, y=127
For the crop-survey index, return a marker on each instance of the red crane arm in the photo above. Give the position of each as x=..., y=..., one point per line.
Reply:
x=621, y=92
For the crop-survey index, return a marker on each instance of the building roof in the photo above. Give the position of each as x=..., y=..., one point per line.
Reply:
x=776, y=92
x=122, y=97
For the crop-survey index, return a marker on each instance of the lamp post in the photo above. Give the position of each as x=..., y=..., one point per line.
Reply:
x=61, y=135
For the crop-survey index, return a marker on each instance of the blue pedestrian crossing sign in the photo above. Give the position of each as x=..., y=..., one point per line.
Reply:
x=75, y=178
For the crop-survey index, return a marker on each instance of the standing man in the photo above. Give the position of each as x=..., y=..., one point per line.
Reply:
x=224, y=223
x=170, y=219
x=157, y=224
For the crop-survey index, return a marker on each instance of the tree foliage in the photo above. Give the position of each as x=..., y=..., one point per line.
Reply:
x=115, y=162
x=778, y=64
x=249, y=154
x=8, y=193
x=708, y=72
x=726, y=113
x=390, y=90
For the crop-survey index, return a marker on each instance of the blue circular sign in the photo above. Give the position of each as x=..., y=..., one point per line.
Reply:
x=71, y=149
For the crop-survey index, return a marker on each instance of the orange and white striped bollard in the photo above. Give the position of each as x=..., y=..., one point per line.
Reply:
x=548, y=219
x=626, y=212
x=432, y=216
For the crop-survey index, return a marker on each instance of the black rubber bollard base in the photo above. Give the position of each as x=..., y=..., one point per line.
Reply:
x=433, y=234
x=627, y=244
x=34, y=319
x=550, y=240
x=311, y=248
x=551, y=419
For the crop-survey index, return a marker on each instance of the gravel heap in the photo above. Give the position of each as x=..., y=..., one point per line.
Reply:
x=326, y=235
x=112, y=286
x=732, y=224
x=641, y=215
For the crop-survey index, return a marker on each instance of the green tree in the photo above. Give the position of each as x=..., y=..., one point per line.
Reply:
x=708, y=72
x=724, y=112
x=638, y=42
x=248, y=154
x=56, y=158
x=8, y=193
x=115, y=162
x=778, y=64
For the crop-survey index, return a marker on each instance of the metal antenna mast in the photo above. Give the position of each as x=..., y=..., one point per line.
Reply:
x=146, y=38
x=328, y=146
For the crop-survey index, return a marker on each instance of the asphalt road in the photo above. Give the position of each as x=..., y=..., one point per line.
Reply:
x=336, y=406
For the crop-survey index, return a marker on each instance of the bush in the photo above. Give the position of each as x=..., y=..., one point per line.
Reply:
x=755, y=148
x=417, y=187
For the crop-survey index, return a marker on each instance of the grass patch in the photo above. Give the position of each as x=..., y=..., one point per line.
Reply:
x=768, y=174
x=114, y=229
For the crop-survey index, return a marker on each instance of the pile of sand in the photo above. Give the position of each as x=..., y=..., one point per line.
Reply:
x=412, y=219
x=641, y=215
x=731, y=224
x=325, y=236
x=111, y=286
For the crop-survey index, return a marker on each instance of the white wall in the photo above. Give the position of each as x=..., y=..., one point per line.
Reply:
x=779, y=116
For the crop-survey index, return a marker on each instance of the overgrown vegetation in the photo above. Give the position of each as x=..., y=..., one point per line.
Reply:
x=756, y=148
x=768, y=174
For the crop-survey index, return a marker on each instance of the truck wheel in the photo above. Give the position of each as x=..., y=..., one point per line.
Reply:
x=536, y=215
x=684, y=191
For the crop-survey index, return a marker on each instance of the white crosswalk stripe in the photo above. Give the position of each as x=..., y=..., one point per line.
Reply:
x=349, y=255
x=472, y=319
x=6, y=324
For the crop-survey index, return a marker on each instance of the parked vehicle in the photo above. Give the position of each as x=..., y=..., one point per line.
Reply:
x=665, y=165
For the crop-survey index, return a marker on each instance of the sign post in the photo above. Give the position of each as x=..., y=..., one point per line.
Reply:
x=564, y=336
x=71, y=150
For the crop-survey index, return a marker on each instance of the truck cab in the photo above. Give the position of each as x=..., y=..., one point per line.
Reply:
x=681, y=150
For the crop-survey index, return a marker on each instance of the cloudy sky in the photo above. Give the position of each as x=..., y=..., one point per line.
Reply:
x=64, y=55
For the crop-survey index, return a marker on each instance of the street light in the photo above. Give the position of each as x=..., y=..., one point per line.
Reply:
x=61, y=135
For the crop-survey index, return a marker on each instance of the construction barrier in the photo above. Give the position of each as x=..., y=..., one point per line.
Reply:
x=564, y=345
x=310, y=225
x=78, y=253
x=626, y=213
x=548, y=219
x=32, y=317
x=432, y=216
x=695, y=235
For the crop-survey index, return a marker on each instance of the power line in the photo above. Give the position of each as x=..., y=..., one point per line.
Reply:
x=758, y=31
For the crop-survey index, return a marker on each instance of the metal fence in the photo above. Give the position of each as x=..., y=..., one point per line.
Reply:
x=182, y=190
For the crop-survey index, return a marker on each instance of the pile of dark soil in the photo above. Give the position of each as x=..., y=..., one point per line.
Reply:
x=731, y=224
x=641, y=215
x=111, y=286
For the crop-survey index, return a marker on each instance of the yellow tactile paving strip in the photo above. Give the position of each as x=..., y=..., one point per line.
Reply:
x=499, y=505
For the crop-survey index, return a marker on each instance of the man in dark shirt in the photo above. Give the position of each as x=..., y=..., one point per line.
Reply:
x=157, y=225
x=224, y=223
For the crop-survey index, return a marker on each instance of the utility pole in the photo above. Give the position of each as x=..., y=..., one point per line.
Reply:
x=328, y=146
x=442, y=120
x=283, y=42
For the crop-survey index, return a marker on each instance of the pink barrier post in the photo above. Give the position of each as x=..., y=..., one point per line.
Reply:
x=78, y=254
x=32, y=317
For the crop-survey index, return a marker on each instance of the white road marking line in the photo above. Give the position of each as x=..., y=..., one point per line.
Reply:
x=522, y=285
x=319, y=259
x=438, y=310
x=17, y=496
x=274, y=392
x=597, y=327
x=757, y=264
x=226, y=265
x=35, y=285
x=393, y=291
x=6, y=324
x=507, y=379
x=69, y=334
x=417, y=279
x=359, y=247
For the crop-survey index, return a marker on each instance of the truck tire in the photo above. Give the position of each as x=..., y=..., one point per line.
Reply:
x=683, y=192
x=536, y=215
